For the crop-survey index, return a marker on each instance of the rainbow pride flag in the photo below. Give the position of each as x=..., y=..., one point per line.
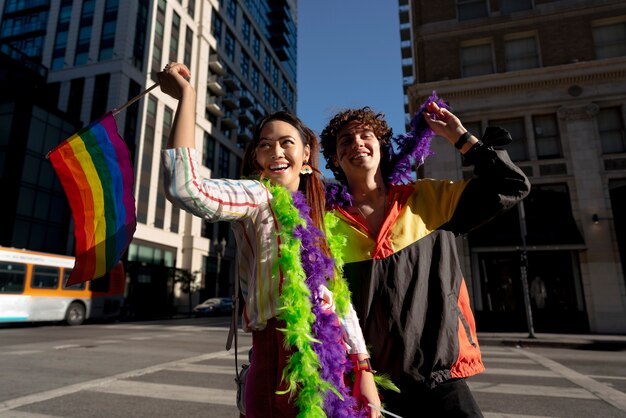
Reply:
x=96, y=173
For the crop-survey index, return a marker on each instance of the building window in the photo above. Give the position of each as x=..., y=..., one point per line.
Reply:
x=256, y=46
x=245, y=30
x=60, y=42
x=146, y=170
x=275, y=74
x=476, y=60
x=510, y=6
x=517, y=149
x=229, y=45
x=109, y=24
x=245, y=65
x=174, y=37
x=267, y=61
x=208, y=151
x=231, y=10
x=521, y=54
x=255, y=78
x=100, y=96
x=75, y=101
x=471, y=9
x=223, y=163
x=611, y=127
x=84, y=33
x=610, y=40
x=141, y=26
x=547, y=139
x=159, y=212
x=157, y=49
x=266, y=92
x=188, y=47
x=191, y=7
x=216, y=26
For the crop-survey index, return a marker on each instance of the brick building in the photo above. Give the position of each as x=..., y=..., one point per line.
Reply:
x=554, y=74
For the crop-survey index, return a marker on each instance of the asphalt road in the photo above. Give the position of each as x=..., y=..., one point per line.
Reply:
x=179, y=368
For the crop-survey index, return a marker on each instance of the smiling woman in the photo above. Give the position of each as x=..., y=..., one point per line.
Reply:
x=295, y=302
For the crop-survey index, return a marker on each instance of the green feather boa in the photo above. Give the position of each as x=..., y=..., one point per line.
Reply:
x=302, y=370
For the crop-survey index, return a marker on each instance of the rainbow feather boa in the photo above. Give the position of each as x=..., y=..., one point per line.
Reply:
x=315, y=371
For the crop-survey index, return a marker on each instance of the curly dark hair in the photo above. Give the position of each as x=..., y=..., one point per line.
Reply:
x=364, y=116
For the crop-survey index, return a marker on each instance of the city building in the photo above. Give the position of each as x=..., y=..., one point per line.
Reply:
x=100, y=54
x=553, y=74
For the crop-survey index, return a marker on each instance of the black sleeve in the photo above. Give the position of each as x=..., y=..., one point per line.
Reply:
x=498, y=185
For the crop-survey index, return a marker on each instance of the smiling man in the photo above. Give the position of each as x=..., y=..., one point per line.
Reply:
x=401, y=261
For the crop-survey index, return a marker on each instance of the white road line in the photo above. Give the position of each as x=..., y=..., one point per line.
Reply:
x=202, y=368
x=107, y=341
x=535, y=390
x=518, y=372
x=169, y=392
x=19, y=414
x=55, y=393
x=22, y=352
x=66, y=346
x=597, y=376
x=602, y=391
x=488, y=360
x=499, y=415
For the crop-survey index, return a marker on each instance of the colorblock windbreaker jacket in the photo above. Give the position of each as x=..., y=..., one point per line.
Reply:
x=407, y=285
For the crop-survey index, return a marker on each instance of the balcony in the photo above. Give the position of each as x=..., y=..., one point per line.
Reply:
x=246, y=117
x=231, y=100
x=213, y=106
x=245, y=98
x=229, y=120
x=257, y=110
x=216, y=65
x=215, y=86
x=244, y=134
x=231, y=83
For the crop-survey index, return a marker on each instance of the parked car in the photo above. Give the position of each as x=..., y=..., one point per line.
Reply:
x=214, y=306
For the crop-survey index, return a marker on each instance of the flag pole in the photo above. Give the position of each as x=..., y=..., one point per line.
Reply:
x=134, y=99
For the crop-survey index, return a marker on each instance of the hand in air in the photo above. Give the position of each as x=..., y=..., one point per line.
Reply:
x=174, y=80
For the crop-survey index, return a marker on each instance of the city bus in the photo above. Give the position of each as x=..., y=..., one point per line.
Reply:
x=32, y=288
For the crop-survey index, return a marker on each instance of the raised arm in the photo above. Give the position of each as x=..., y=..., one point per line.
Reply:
x=498, y=184
x=174, y=80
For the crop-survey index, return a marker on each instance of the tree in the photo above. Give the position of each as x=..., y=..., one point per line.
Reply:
x=187, y=281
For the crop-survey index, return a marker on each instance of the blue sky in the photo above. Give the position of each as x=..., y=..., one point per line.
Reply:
x=349, y=56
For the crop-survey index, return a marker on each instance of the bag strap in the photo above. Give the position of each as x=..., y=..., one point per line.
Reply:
x=233, y=326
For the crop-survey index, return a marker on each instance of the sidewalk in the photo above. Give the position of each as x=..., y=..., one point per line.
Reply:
x=594, y=342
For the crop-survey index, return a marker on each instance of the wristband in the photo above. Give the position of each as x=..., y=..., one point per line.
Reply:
x=363, y=366
x=462, y=140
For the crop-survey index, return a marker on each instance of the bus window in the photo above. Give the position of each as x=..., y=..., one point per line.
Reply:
x=45, y=277
x=101, y=284
x=12, y=277
x=66, y=276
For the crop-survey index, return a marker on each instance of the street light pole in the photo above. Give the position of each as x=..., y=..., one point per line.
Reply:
x=524, y=270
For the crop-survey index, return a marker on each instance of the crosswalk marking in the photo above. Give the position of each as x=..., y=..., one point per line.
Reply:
x=488, y=360
x=201, y=368
x=169, y=392
x=520, y=372
x=602, y=391
x=535, y=390
x=19, y=414
x=498, y=415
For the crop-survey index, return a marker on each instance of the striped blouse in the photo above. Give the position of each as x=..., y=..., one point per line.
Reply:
x=247, y=204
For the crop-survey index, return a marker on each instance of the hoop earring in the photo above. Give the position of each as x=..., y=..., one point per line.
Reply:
x=306, y=169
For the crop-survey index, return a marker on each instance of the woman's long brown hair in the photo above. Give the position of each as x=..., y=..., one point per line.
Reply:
x=310, y=184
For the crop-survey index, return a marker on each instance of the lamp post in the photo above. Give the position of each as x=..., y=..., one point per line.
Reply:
x=524, y=270
x=220, y=250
